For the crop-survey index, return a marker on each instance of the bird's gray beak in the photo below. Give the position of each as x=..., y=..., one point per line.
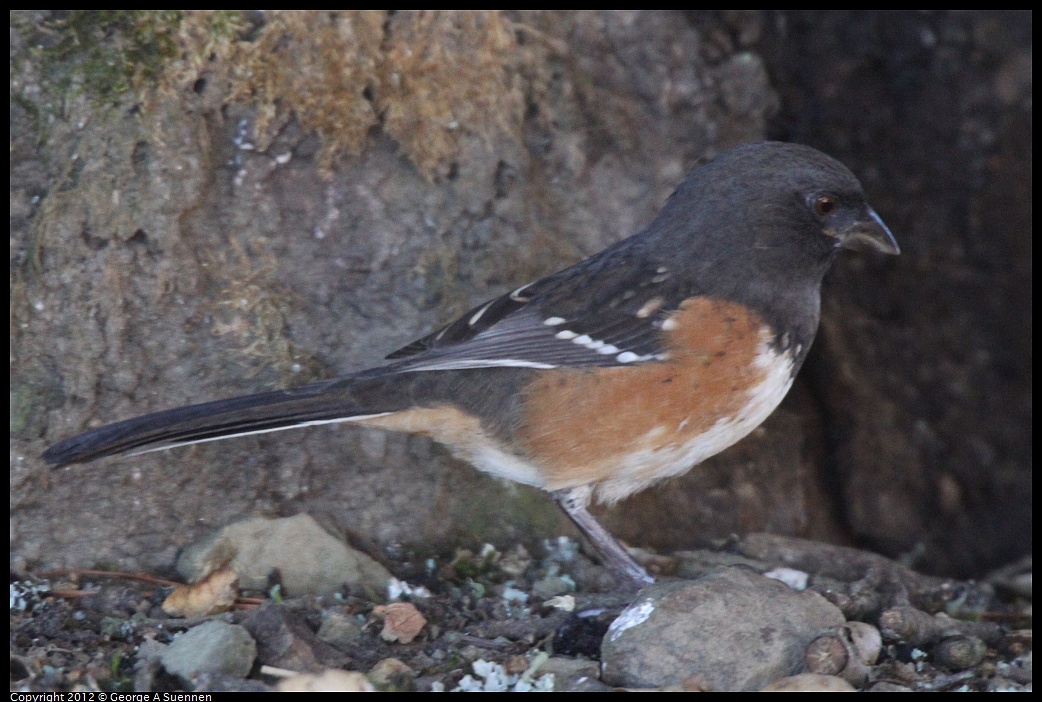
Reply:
x=868, y=233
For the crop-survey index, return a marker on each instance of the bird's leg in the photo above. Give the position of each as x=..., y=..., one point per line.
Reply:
x=574, y=503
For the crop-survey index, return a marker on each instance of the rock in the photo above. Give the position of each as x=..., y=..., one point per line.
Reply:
x=211, y=647
x=339, y=629
x=307, y=558
x=574, y=674
x=392, y=675
x=733, y=629
x=286, y=641
x=552, y=586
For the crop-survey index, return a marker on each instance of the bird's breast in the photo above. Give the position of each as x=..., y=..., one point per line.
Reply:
x=623, y=428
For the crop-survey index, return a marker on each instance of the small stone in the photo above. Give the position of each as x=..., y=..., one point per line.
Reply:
x=339, y=629
x=211, y=647
x=391, y=674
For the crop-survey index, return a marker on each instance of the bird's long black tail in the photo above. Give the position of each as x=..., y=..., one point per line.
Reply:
x=322, y=403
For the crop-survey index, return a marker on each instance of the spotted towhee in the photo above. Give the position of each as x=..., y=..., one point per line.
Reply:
x=627, y=368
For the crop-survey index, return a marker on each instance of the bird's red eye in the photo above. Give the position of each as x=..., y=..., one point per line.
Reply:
x=825, y=205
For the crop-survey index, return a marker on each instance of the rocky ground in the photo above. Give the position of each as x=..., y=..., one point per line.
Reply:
x=763, y=612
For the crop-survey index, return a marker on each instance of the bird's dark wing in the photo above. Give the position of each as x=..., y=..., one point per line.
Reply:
x=605, y=311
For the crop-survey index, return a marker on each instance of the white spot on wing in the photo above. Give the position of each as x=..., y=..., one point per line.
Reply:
x=477, y=315
x=582, y=340
x=650, y=307
x=516, y=295
x=627, y=357
x=553, y=321
x=608, y=349
x=565, y=335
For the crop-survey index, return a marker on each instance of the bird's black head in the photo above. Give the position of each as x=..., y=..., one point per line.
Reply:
x=775, y=204
x=761, y=224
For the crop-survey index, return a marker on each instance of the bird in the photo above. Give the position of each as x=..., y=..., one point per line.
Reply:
x=593, y=383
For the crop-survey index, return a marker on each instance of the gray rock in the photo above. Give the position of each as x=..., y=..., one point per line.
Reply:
x=308, y=559
x=733, y=629
x=574, y=675
x=211, y=647
x=551, y=586
x=147, y=664
x=339, y=629
x=285, y=640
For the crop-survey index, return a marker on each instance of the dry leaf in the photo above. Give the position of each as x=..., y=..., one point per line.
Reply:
x=214, y=593
x=402, y=621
